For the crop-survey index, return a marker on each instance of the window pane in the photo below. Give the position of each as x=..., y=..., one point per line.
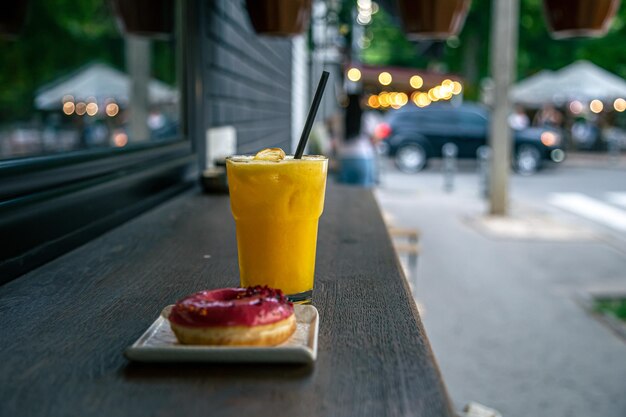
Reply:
x=70, y=80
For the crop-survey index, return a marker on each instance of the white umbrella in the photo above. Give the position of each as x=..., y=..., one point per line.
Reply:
x=100, y=82
x=533, y=91
x=585, y=81
x=582, y=80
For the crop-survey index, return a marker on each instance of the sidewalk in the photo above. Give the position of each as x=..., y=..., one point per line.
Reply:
x=598, y=160
x=502, y=312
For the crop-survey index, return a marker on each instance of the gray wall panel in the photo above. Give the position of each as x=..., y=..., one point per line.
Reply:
x=249, y=79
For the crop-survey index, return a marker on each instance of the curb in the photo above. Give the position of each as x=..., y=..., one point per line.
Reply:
x=586, y=299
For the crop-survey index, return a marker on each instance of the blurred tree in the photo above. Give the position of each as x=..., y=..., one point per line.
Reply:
x=539, y=51
x=468, y=53
x=382, y=42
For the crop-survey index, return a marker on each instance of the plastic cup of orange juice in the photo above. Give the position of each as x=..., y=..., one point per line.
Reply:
x=277, y=205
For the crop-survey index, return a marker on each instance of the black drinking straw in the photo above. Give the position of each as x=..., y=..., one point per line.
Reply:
x=311, y=117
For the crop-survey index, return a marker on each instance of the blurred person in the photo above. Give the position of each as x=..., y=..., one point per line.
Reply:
x=95, y=134
x=548, y=116
x=320, y=140
x=518, y=120
x=371, y=119
x=156, y=119
x=356, y=153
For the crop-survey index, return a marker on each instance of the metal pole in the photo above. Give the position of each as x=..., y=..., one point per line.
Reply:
x=484, y=159
x=450, y=152
x=504, y=33
x=138, y=66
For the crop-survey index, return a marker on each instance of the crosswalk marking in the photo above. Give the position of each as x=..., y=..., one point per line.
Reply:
x=618, y=199
x=590, y=208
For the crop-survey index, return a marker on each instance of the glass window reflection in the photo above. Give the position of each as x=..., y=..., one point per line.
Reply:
x=71, y=80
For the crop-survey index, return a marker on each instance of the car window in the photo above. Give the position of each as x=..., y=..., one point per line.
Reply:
x=426, y=116
x=472, y=119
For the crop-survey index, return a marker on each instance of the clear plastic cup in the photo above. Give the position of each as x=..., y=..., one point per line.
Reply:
x=277, y=206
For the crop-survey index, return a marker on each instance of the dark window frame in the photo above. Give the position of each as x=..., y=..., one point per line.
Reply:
x=54, y=203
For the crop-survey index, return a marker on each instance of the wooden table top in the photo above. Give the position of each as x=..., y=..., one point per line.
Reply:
x=65, y=326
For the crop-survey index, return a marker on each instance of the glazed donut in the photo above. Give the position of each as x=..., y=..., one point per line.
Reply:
x=253, y=316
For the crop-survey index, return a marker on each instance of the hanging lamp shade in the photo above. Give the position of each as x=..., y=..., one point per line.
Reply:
x=12, y=18
x=573, y=18
x=433, y=19
x=148, y=18
x=279, y=17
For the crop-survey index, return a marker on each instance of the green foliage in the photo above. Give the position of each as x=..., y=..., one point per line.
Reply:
x=468, y=55
x=81, y=19
x=535, y=44
x=383, y=41
x=613, y=306
x=471, y=47
x=387, y=44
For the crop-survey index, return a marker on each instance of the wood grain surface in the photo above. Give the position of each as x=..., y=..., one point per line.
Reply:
x=65, y=326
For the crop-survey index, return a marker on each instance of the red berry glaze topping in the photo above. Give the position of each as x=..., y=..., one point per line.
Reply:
x=250, y=306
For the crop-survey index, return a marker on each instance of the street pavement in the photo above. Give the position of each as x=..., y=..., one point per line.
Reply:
x=500, y=297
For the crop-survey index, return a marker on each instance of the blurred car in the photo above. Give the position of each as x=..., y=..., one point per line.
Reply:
x=413, y=135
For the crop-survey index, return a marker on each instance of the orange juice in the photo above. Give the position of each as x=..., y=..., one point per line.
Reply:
x=276, y=206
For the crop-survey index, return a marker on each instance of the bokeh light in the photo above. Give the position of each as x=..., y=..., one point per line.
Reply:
x=596, y=106
x=120, y=139
x=365, y=12
x=456, y=88
x=385, y=78
x=392, y=98
x=373, y=102
x=576, y=107
x=619, y=105
x=354, y=74
x=81, y=108
x=549, y=138
x=92, y=109
x=422, y=100
x=364, y=19
x=445, y=90
x=69, y=107
x=401, y=99
x=416, y=81
x=557, y=155
x=112, y=109
x=383, y=99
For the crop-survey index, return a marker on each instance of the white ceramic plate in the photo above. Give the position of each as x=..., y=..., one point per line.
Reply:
x=159, y=344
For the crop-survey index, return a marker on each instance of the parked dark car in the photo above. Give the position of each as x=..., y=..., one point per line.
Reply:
x=413, y=135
